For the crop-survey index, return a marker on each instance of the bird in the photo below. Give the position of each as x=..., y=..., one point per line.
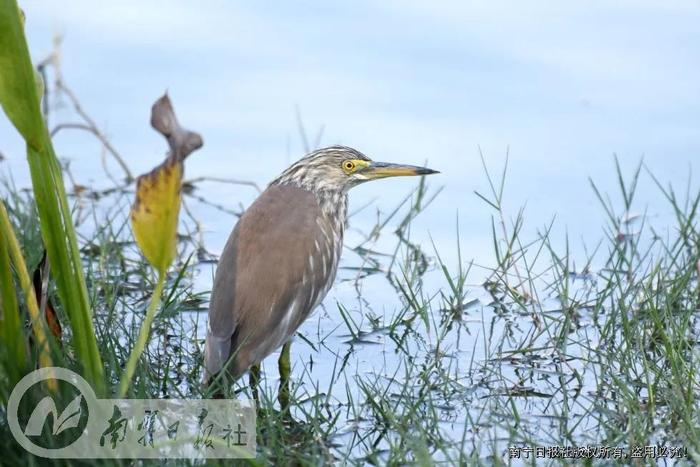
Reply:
x=281, y=259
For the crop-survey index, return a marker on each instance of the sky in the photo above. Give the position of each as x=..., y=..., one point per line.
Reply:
x=558, y=86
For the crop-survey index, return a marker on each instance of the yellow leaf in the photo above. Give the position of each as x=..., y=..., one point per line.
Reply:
x=157, y=205
x=155, y=212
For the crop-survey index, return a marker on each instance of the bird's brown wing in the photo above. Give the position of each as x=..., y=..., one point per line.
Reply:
x=276, y=267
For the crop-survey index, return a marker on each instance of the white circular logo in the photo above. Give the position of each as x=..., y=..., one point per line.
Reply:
x=35, y=417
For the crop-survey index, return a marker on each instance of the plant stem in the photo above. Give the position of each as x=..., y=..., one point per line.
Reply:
x=36, y=319
x=142, y=338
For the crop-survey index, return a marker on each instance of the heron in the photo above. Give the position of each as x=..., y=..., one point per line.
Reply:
x=281, y=259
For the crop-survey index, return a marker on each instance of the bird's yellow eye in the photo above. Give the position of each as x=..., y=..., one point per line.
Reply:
x=349, y=166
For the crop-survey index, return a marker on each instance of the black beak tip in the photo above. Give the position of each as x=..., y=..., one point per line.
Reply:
x=427, y=171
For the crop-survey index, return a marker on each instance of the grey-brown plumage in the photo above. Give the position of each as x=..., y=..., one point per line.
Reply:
x=281, y=259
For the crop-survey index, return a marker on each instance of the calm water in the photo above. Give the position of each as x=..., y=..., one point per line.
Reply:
x=560, y=89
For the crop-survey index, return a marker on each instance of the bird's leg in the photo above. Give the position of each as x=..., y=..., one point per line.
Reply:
x=284, y=369
x=254, y=381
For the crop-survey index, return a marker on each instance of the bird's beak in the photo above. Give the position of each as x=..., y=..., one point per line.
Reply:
x=377, y=170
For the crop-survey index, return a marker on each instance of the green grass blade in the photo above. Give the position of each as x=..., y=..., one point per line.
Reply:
x=18, y=89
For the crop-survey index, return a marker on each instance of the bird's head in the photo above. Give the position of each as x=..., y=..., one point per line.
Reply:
x=339, y=168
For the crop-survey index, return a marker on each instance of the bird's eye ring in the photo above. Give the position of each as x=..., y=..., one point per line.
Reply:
x=348, y=166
